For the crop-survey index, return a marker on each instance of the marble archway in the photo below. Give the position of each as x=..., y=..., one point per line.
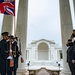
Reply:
x=43, y=51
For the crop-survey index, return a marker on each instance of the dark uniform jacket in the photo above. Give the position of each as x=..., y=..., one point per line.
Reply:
x=8, y=60
x=70, y=57
x=3, y=55
x=16, y=54
x=71, y=53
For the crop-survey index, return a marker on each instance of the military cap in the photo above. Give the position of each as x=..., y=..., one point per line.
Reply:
x=11, y=36
x=5, y=33
x=73, y=35
x=69, y=40
x=73, y=29
x=16, y=38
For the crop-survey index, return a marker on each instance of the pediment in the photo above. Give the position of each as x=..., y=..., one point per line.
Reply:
x=42, y=40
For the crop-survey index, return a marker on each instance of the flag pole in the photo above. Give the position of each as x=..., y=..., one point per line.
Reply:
x=14, y=28
x=15, y=18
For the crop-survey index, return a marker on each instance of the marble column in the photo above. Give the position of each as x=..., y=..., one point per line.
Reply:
x=74, y=6
x=7, y=25
x=21, y=31
x=66, y=30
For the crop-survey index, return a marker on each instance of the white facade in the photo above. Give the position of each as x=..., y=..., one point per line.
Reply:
x=42, y=52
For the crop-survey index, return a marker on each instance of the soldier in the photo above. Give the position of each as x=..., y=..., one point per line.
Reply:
x=3, y=53
x=71, y=53
x=10, y=57
x=16, y=54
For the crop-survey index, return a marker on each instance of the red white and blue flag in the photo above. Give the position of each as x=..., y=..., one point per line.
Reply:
x=7, y=7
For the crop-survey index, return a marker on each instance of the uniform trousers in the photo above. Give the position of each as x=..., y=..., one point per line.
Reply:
x=15, y=71
x=9, y=73
x=72, y=68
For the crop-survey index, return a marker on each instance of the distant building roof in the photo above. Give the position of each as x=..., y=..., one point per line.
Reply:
x=50, y=41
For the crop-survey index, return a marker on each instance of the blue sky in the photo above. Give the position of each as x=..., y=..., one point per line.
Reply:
x=44, y=20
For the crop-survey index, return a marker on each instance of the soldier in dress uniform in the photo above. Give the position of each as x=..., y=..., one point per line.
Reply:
x=73, y=57
x=3, y=53
x=16, y=54
x=71, y=53
x=9, y=67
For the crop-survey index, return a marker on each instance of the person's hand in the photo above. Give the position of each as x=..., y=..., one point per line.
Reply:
x=73, y=61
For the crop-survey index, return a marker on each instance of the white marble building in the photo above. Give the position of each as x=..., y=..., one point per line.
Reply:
x=43, y=52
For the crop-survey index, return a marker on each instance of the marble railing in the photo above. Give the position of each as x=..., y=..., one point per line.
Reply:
x=45, y=63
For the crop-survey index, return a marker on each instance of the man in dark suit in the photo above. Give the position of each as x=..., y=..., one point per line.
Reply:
x=3, y=53
x=71, y=56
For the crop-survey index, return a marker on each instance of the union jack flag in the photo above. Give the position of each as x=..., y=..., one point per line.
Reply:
x=7, y=7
